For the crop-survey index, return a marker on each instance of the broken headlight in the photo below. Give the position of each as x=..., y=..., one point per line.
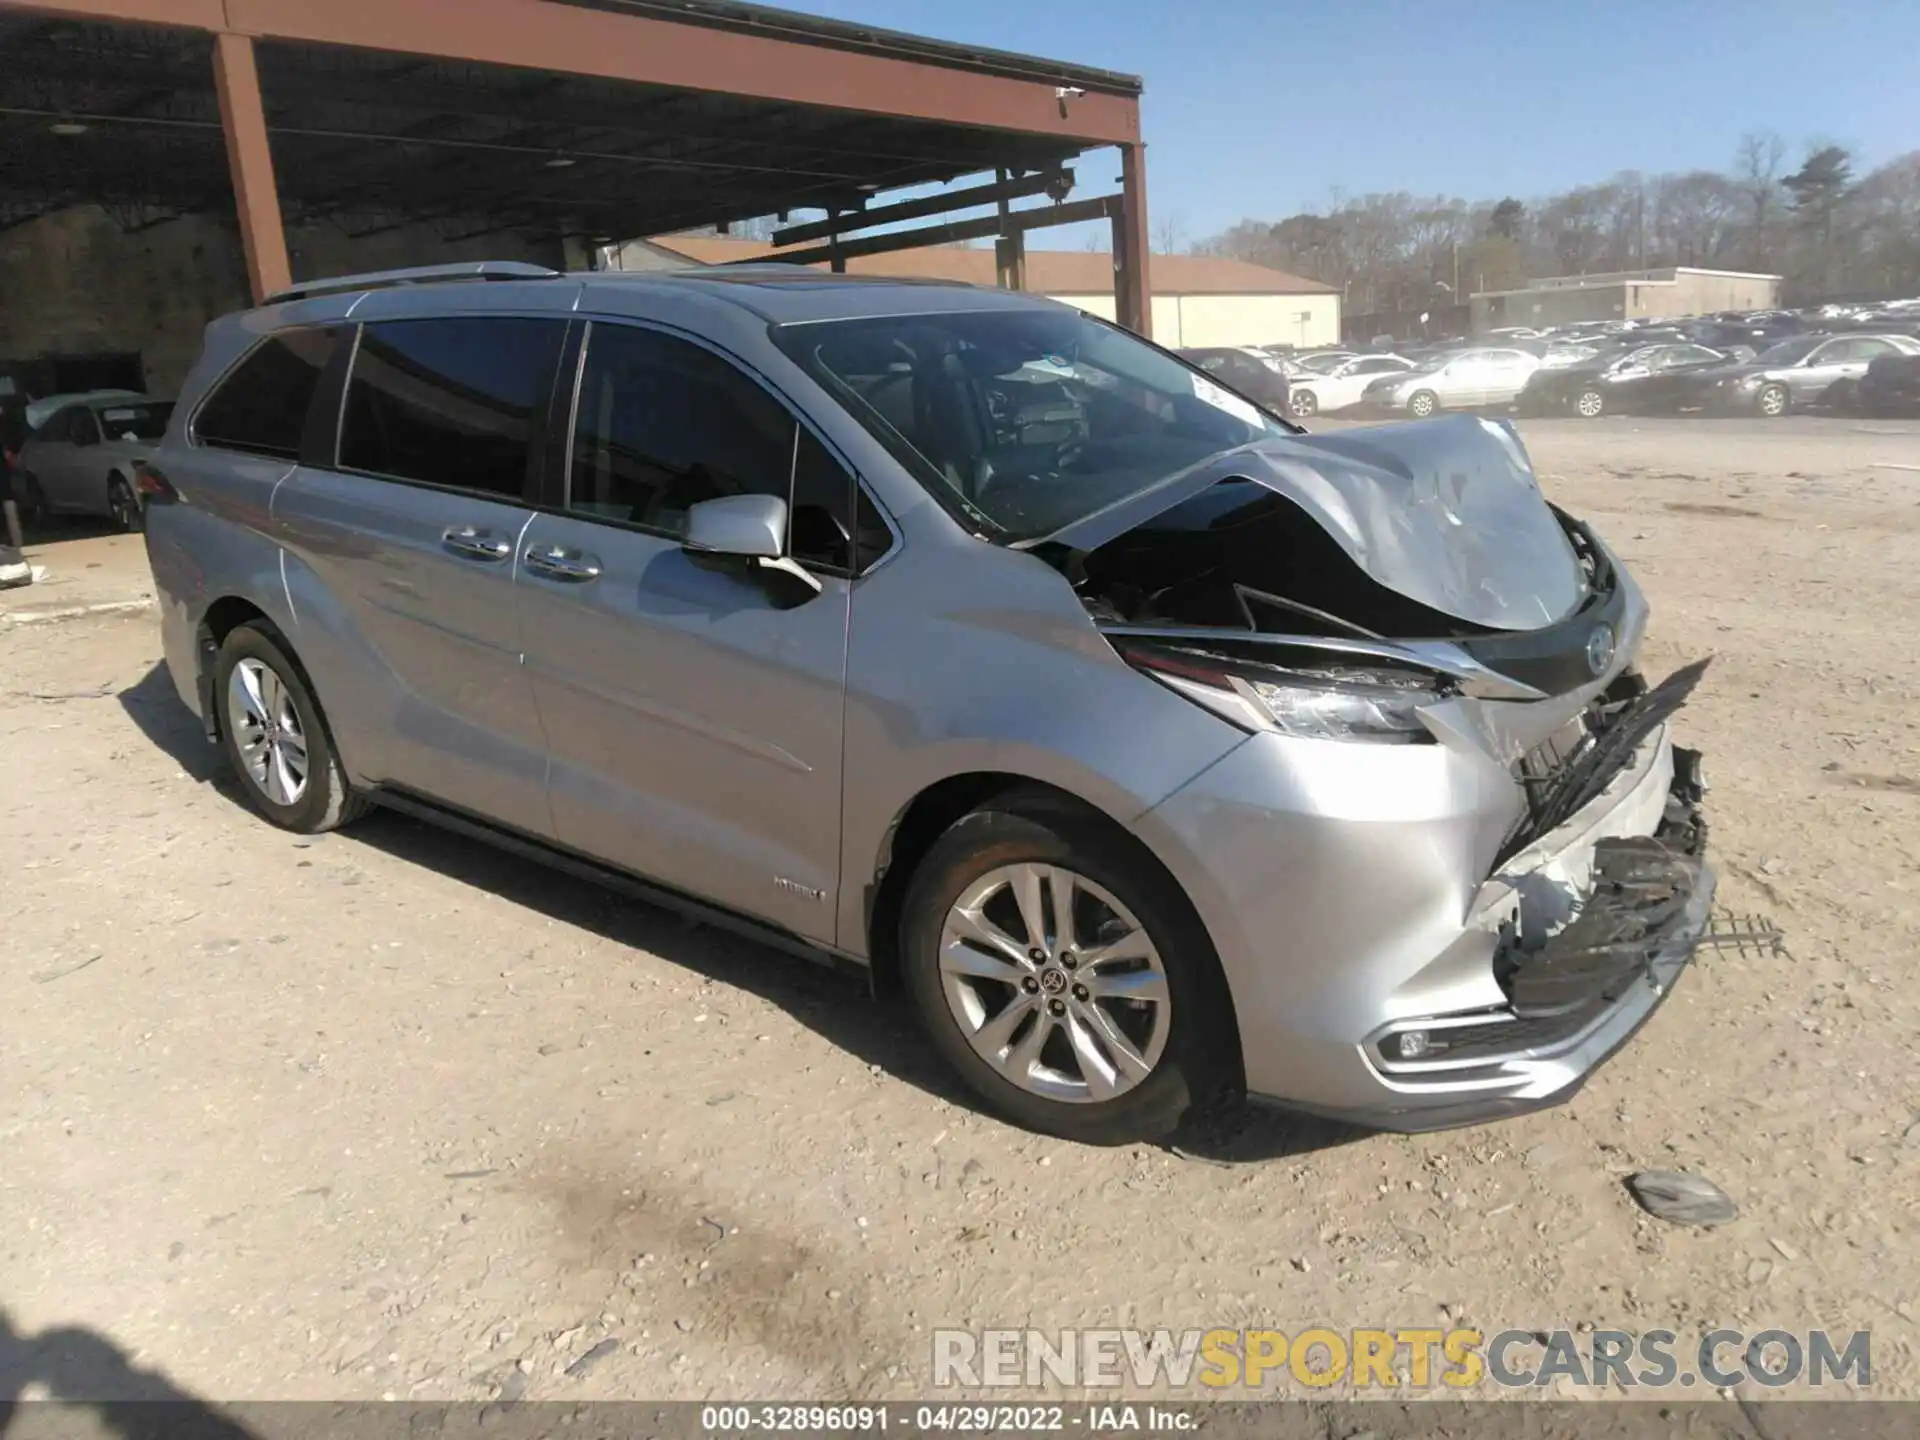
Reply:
x=1371, y=702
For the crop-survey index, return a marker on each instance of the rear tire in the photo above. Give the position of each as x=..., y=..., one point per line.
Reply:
x=1082, y=1059
x=124, y=505
x=1422, y=404
x=275, y=737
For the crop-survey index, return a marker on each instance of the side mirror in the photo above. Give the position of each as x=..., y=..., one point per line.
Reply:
x=750, y=528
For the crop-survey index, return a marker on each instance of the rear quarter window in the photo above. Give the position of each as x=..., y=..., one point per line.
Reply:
x=261, y=407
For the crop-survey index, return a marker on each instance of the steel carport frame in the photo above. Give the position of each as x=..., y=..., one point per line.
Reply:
x=595, y=119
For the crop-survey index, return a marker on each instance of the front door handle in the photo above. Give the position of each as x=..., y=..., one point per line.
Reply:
x=556, y=562
x=472, y=544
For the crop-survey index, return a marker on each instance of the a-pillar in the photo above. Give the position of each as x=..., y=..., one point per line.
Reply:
x=1132, y=298
x=249, y=159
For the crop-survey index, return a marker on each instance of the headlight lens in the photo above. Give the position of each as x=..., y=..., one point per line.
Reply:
x=1349, y=709
x=1380, y=704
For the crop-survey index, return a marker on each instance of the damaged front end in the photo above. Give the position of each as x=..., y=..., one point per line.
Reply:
x=1486, y=784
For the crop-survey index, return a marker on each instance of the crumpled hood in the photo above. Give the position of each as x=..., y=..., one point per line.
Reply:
x=1446, y=512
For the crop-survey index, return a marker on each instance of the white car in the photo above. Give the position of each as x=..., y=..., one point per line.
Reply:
x=1465, y=380
x=81, y=460
x=1311, y=394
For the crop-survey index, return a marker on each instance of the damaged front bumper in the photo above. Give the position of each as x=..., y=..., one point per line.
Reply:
x=1378, y=982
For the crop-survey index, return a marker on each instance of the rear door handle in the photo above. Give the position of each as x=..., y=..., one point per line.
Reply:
x=556, y=562
x=471, y=544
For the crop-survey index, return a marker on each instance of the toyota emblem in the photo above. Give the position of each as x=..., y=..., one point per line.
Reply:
x=1600, y=649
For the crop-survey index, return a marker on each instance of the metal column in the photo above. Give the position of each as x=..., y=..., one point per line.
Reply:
x=1132, y=297
x=250, y=160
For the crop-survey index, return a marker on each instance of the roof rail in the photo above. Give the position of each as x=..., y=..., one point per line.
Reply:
x=418, y=275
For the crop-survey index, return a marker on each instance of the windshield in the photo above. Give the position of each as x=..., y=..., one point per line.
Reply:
x=1026, y=420
x=133, y=422
x=1787, y=352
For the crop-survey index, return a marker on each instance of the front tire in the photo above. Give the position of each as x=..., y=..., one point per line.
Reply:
x=1773, y=401
x=275, y=737
x=1422, y=404
x=1062, y=975
x=1589, y=404
x=1303, y=404
x=31, y=501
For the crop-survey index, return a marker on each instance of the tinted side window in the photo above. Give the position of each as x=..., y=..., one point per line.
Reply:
x=663, y=424
x=262, y=406
x=453, y=402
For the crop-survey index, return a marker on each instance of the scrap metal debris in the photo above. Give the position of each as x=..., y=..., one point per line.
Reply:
x=1684, y=1199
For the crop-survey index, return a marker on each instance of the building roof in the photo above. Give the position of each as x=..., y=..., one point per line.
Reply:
x=1049, y=272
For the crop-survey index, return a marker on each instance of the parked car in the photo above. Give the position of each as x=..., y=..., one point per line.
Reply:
x=1258, y=377
x=82, y=459
x=1808, y=370
x=1152, y=744
x=1343, y=387
x=1465, y=380
x=47, y=406
x=1647, y=378
x=1891, y=387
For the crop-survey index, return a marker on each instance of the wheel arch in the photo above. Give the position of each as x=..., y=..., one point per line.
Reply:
x=217, y=622
x=929, y=814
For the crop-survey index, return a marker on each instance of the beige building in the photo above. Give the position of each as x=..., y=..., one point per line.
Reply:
x=1625, y=295
x=1197, y=300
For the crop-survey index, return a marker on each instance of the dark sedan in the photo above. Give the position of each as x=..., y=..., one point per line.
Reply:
x=1647, y=378
x=1256, y=376
x=1809, y=370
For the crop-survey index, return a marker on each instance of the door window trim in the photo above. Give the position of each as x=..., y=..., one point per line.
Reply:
x=554, y=501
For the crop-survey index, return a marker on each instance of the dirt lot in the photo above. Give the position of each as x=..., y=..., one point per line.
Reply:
x=389, y=1114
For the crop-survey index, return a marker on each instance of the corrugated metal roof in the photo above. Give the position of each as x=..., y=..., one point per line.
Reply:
x=1049, y=272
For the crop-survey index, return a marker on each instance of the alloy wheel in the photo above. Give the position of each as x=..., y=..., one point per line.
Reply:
x=1773, y=401
x=1590, y=403
x=1421, y=405
x=266, y=730
x=1055, y=983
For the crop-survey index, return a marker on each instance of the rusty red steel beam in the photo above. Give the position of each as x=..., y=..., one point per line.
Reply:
x=243, y=118
x=536, y=34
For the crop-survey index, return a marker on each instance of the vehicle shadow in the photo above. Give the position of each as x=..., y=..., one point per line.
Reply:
x=78, y=1366
x=834, y=1003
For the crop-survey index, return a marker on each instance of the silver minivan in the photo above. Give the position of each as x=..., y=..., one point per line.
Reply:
x=1152, y=745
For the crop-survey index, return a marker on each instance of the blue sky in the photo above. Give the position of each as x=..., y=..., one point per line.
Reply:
x=1263, y=107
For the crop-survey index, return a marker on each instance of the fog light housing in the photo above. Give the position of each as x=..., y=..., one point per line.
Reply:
x=1413, y=1044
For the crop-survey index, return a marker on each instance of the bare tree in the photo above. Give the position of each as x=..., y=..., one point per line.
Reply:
x=1825, y=234
x=1169, y=234
x=1757, y=172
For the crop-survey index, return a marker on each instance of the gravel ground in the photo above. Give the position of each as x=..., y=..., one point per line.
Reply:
x=387, y=1113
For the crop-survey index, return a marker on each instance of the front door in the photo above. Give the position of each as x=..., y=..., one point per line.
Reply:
x=409, y=544
x=693, y=716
